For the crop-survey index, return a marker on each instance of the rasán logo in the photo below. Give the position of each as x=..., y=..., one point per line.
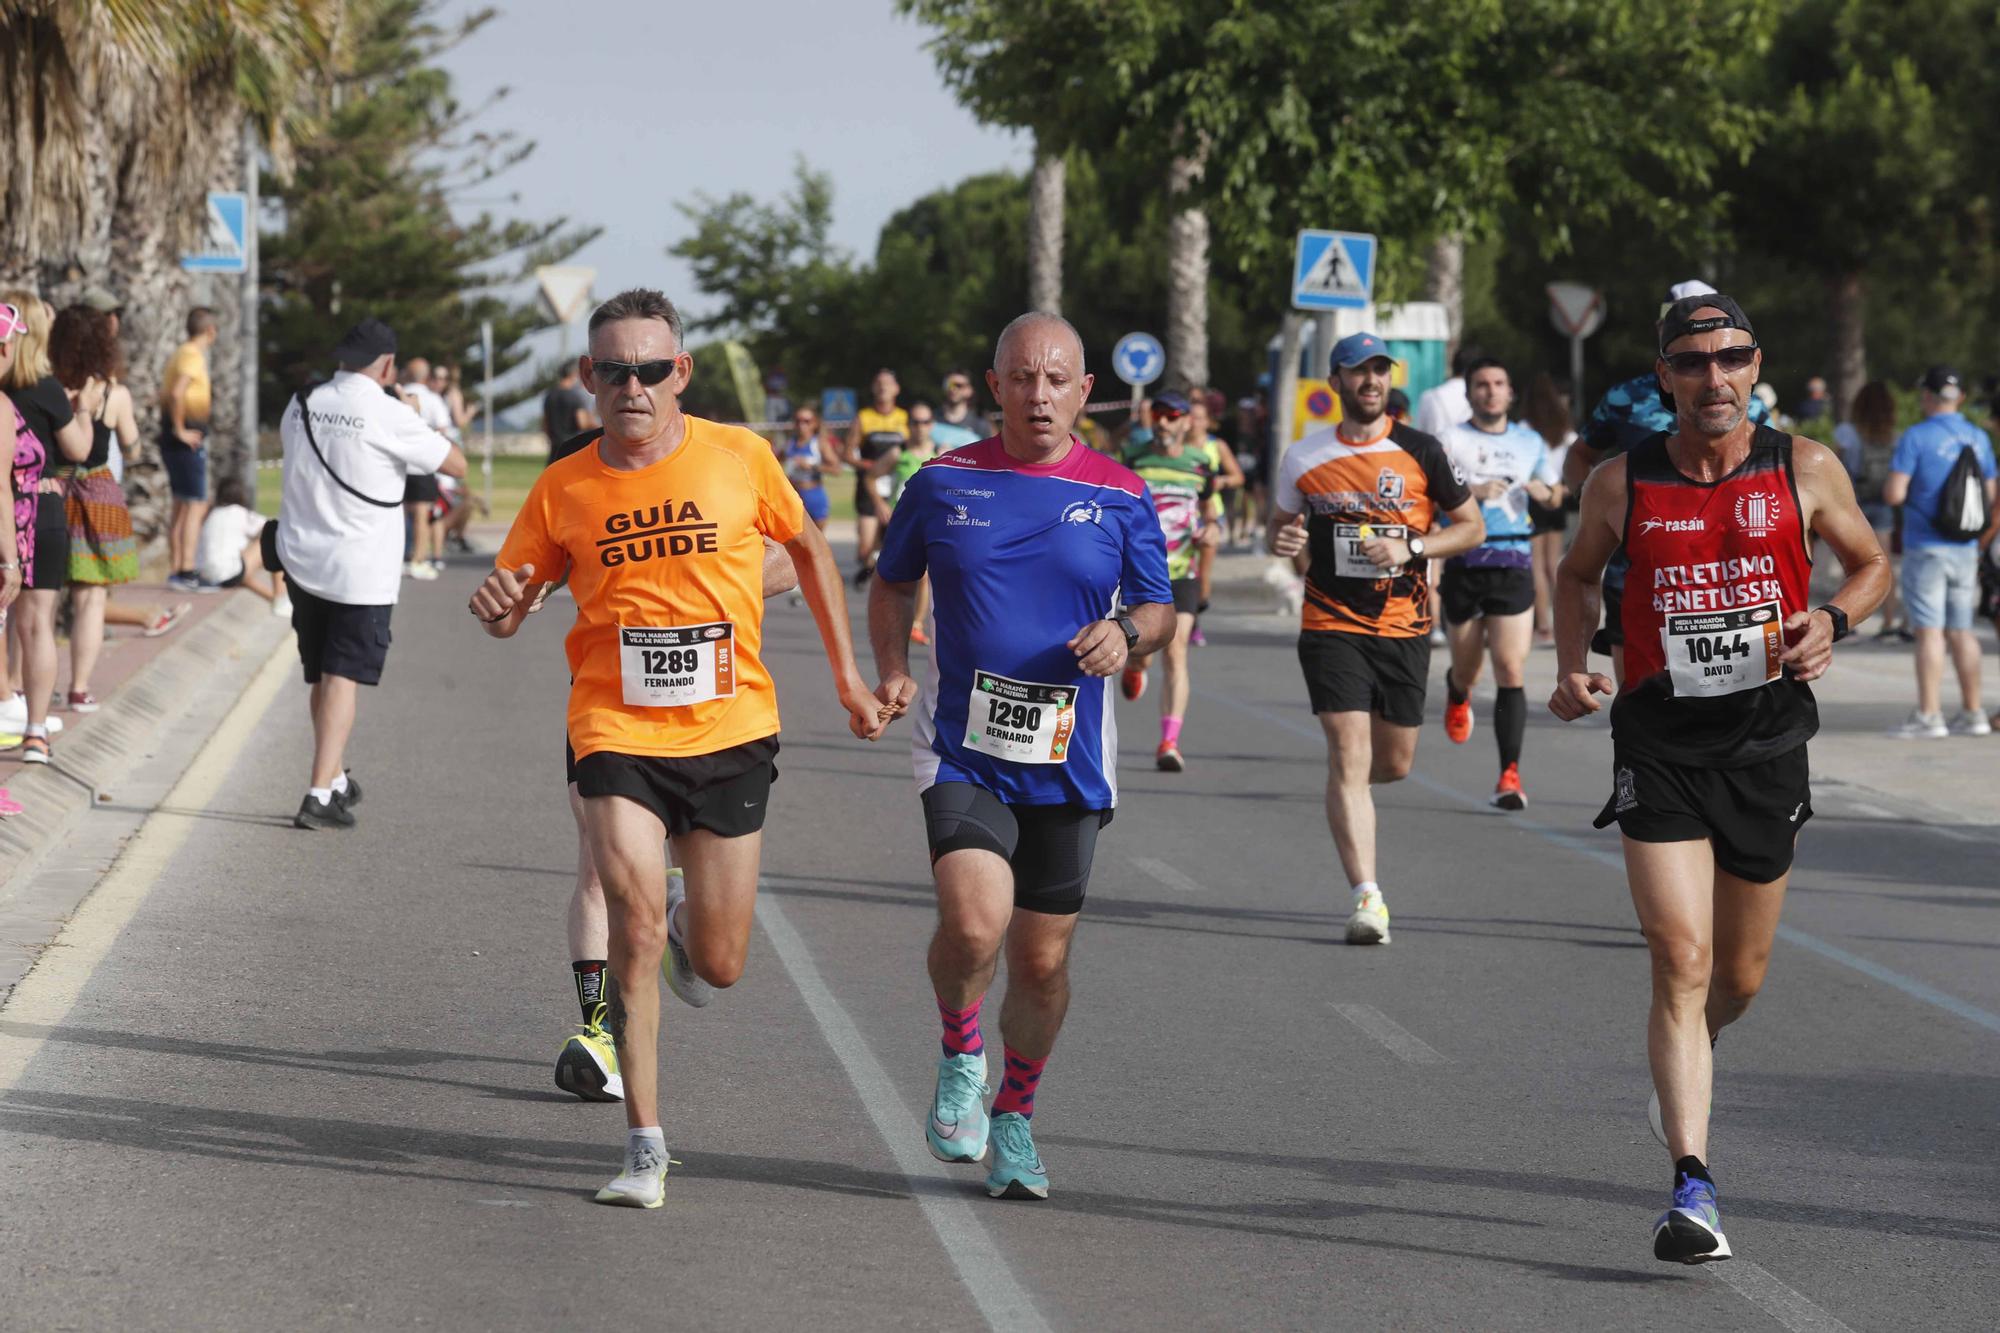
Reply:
x=1673, y=525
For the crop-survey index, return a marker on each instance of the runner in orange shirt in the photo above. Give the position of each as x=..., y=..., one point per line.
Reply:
x=673, y=717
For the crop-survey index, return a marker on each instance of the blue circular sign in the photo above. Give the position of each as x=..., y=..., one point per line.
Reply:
x=1138, y=359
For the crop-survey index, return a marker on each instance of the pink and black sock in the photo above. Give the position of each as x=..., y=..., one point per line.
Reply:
x=961, y=1029
x=1018, y=1084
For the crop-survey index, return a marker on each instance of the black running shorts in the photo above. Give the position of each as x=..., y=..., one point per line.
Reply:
x=421, y=488
x=1187, y=596
x=726, y=792
x=1366, y=673
x=1612, y=633
x=1049, y=846
x=1749, y=815
x=339, y=639
x=1470, y=592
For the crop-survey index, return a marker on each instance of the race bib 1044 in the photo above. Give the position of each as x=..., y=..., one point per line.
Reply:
x=1018, y=720
x=670, y=668
x=1723, y=652
x=1351, y=562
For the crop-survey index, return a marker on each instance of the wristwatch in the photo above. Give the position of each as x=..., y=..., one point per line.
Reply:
x=1131, y=632
x=1839, y=619
x=1416, y=545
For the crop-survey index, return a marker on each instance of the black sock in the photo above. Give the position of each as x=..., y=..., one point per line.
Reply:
x=593, y=982
x=1692, y=1168
x=1451, y=690
x=1510, y=722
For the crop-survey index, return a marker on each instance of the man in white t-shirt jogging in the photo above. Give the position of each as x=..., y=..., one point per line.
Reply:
x=349, y=445
x=1488, y=592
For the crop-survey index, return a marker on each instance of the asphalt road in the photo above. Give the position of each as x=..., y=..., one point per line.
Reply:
x=272, y=1079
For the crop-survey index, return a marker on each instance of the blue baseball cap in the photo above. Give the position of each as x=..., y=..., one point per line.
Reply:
x=1172, y=400
x=1358, y=349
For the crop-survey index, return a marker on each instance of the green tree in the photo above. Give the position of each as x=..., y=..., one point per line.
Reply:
x=369, y=226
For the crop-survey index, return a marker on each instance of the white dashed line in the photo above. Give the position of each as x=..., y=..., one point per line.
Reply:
x=1776, y=1299
x=1402, y=1043
x=1166, y=875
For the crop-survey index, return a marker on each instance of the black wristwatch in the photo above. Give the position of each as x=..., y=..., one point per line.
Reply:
x=1839, y=619
x=1416, y=545
x=1131, y=632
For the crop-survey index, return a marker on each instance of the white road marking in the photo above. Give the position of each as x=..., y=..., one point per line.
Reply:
x=43, y=999
x=1166, y=875
x=1868, y=811
x=940, y=1192
x=1775, y=1299
x=1402, y=1043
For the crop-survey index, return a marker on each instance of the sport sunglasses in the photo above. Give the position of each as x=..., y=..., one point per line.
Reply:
x=1731, y=359
x=615, y=373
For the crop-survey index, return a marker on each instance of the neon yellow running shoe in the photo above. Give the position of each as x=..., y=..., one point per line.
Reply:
x=587, y=1066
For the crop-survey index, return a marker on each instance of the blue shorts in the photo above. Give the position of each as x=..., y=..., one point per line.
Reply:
x=187, y=468
x=818, y=506
x=1941, y=585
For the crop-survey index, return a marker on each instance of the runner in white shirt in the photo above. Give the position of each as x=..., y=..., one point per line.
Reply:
x=349, y=444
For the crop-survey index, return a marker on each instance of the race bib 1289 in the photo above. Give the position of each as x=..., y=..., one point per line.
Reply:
x=1713, y=653
x=1018, y=720
x=669, y=668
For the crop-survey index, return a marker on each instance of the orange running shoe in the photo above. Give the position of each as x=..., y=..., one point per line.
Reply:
x=1508, y=795
x=1458, y=720
x=1132, y=684
x=1169, y=760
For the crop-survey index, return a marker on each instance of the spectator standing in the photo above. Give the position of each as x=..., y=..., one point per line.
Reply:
x=1866, y=440
x=83, y=348
x=52, y=417
x=1940, y=570
x=1445, y=406
x=1816, y=405
x=566, y=411
x=349, y=445
x=957, y=422
x=1548, y=412
x=17, y=524
x=421, y=493
x=184, y=413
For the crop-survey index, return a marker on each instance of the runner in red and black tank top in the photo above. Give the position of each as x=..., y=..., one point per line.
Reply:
x=1716, y=567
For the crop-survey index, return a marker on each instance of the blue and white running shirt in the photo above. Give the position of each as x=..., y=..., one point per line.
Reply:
x=1515, y=456
x=1021, y=557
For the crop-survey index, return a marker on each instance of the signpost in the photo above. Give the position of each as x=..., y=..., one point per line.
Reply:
x=1577, y=312
x=565, y=292
x=229, y=245
x=837, y=407
x=1333, y=270
x=225, y=241
x=1138, y=360
x=486, y=396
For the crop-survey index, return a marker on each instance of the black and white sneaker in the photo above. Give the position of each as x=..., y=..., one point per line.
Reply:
x=349, y=796
x=315, y=814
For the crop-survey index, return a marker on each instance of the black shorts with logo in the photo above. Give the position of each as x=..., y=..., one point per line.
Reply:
x=1049, y=847
x=1366, y=673
x=339, y=639
x=1749, y=815
x=726, y=792
x=1469, y=591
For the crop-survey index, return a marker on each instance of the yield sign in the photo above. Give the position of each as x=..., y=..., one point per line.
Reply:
x=565, y=289
x=1577, y=311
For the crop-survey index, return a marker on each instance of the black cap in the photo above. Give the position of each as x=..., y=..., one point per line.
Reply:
x=1680, y=321
x=1940, y=378
x=363, y=343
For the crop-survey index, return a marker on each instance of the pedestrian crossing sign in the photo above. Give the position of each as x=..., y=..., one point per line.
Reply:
x=225, y=237
x=1333, y=270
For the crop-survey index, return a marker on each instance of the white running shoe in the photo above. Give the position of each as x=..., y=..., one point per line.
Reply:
x=643, y=1182
x=1370, y=922
x=1921, y=727
x=682, y=979
x=1971, y=722
x=282, y=608
x=14, y=713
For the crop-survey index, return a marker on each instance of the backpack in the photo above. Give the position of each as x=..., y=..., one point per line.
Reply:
x=1961, y=514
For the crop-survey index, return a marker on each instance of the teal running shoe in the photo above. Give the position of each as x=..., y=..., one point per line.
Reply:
x=958, y=1124
x=1017, y=1168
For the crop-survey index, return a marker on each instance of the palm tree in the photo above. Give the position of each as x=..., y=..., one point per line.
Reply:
x=1045, y=231
x=121, y=116
x=1187, y=278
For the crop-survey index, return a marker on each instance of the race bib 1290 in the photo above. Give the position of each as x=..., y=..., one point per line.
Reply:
x=669, y=668
x=1713, y=653
x=1351, y=562
x=1018, y=720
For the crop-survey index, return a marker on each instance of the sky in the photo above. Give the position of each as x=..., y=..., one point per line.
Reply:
x=636, y=105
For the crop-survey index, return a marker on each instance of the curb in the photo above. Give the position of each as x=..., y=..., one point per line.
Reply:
x=222, y=652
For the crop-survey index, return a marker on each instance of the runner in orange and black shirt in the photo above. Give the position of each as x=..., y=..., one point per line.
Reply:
x=1358, y=501
x=672, y=715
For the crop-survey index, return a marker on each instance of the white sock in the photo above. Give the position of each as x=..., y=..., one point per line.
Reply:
x=1363, y=889
x=324, y=795
x=340, y=783
x=647, y=1133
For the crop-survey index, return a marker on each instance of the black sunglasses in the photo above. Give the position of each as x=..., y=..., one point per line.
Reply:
x=615, y=373
x=1731, y=359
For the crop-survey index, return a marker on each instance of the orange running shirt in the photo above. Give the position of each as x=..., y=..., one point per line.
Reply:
x=676, y=546
x=1397, y=484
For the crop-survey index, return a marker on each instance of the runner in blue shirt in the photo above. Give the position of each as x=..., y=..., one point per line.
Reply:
x=1489, y=592
x=1031, y=541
